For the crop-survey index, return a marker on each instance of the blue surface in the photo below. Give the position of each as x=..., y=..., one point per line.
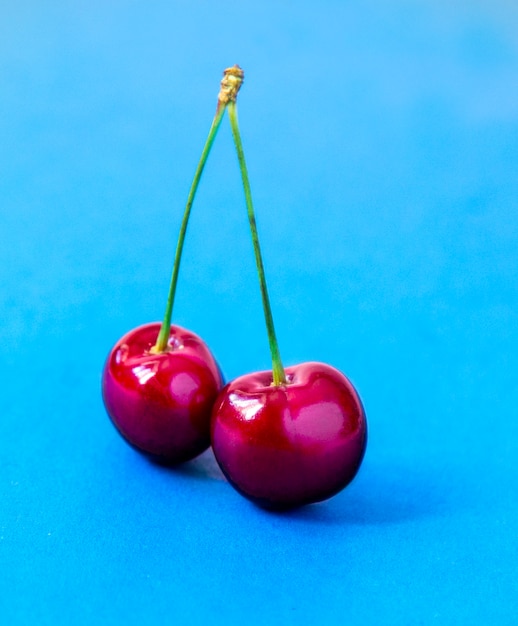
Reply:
x=382, y=145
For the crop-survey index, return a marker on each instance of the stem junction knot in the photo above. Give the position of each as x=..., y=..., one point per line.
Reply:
x=231, y=83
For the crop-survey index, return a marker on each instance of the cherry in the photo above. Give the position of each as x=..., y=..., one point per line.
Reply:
x=292, y=444
x=286, y=438
x=161, y=401
x=160, y=381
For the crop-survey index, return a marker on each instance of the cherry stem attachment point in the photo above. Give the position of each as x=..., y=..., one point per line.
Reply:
x=279, y=375
x=230, y=85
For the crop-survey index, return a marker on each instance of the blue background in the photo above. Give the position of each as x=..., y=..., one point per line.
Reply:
x=382, y=143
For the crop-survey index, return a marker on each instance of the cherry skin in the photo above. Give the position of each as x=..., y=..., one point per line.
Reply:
x=289, y=445
x=161, y=402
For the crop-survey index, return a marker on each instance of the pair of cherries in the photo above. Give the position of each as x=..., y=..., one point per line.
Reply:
x=283, y=438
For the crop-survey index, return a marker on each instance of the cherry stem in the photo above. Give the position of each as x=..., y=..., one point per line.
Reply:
x=279, y=375
x=232, y=80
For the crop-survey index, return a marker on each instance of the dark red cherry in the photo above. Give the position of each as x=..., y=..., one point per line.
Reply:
x=291, y=444
x=161, y=402
x=160, y=381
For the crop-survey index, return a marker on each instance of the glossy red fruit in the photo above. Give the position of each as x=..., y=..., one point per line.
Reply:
x=161, y=403
x=289, y=445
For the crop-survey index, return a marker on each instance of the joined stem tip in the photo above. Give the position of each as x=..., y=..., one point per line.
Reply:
x=233, y=78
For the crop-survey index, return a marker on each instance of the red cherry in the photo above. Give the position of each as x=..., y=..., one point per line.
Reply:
x=160, y=381
x=161, y=402
x=291, y=444
x=290, y=436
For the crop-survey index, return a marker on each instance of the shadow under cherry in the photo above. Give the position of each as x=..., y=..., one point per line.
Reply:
x=382, y=493
x=389, y=494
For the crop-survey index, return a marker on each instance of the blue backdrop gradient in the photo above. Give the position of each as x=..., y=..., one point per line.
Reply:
x=382, y=144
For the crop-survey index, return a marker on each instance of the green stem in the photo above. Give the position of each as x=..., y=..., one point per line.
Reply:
x=279, y=376
x=230, y=85
x=163, y=336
